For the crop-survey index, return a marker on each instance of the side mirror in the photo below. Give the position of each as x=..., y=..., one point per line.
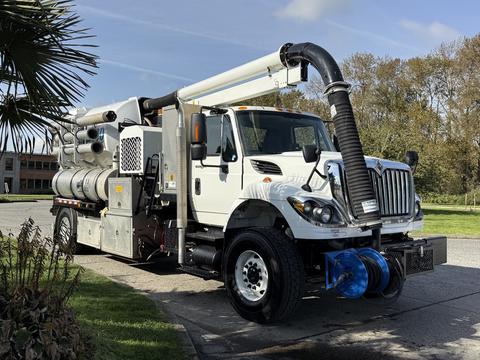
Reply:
x=198, y=151
x=198, y=136
x=310, y=153
x=411, y=158
x=198, y=128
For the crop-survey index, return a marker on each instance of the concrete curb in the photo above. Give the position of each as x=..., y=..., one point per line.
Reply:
x=189, y=349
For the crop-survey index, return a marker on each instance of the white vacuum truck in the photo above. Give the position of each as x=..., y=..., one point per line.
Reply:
x=259, y=198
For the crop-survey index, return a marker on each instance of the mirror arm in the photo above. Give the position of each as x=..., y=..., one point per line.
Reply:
x=223, y=167
x=320, y=174
x=307, y=186
x=414, y=168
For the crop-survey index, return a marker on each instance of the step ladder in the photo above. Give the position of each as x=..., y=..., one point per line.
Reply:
x=149, y=184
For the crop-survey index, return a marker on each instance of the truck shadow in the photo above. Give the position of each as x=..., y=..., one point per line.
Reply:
x=435, y=316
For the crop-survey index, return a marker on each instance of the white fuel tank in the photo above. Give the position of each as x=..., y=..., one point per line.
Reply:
x=83, y=183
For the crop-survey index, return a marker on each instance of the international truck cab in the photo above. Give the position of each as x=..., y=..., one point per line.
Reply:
x=260, y=198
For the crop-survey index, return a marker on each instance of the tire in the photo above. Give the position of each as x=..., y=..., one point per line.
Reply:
x=266, y=300
x=66, y=230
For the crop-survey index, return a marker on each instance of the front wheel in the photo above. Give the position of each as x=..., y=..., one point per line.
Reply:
x=264, y=275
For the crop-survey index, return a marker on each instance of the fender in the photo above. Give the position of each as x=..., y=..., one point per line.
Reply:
x=270, y=201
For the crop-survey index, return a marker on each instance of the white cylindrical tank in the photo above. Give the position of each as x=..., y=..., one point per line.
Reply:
x=95, y=184
x=77, y=184
x=62, y=182
x=90, y=184
x=83, y=183
x=102, y=183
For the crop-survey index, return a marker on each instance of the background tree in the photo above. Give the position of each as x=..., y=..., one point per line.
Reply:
x=41, y=63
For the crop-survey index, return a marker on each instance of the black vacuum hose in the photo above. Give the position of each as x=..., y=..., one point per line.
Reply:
x=160, y=102
x=362, y=197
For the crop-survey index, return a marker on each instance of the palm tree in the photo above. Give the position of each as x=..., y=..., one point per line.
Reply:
x=41, y=63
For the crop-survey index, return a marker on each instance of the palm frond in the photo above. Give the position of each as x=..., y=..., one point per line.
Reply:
x=42, y=64
x=22, y=124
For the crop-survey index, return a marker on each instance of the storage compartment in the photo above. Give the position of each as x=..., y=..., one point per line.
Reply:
x=89, y=231
x=123, y=196
x=118, y=236
x=420, y=256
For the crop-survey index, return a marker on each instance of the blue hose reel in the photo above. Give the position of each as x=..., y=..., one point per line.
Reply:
x=353, y=272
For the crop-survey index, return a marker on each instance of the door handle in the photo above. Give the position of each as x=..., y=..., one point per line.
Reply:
x=198, y=189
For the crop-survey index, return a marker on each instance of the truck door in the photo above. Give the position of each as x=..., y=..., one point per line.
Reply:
x=216, y=182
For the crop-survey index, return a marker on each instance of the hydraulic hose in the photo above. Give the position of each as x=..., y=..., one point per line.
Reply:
x=362, y=197
x=160, y=102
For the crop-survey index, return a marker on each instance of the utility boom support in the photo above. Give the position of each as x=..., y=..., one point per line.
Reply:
x=273, y=82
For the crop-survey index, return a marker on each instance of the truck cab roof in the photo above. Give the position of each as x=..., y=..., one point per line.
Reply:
x=271, y=108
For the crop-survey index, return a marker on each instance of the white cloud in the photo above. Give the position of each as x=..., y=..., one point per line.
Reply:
x=144, y=70
x=434, y=31
x=159, y=26
x=369, y=35
x=308, y=10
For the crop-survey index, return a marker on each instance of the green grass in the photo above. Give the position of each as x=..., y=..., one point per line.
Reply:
x=122, y=323
x=453, y=220
x=24, y=197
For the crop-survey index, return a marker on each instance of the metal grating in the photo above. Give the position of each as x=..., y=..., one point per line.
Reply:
x=415, y=263
x=131, y=154
x=393, y=190
x=265, y=167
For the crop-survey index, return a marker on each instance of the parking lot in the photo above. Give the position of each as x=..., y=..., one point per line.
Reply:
x=437, y=316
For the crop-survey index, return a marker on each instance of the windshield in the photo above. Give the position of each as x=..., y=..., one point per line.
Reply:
x=270, y=132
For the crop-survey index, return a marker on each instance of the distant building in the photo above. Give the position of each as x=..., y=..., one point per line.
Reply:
x=27, y=173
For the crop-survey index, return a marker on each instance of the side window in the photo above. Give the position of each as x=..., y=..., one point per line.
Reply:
x=254, y=138
x=214, y=135
x=304, y=136
x=9, y=164
x=229, y=153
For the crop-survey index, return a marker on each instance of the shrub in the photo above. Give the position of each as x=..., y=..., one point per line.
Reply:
x=36, y=280
x=449, y=199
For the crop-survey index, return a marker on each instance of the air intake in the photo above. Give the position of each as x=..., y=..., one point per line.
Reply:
x=265, y=167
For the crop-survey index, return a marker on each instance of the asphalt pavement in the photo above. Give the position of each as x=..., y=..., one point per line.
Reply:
x=437, y=316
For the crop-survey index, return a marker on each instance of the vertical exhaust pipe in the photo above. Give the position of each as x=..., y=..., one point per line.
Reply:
x=361, y=192
x=181, y=184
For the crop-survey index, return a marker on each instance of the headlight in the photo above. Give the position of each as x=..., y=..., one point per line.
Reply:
x=315, y=211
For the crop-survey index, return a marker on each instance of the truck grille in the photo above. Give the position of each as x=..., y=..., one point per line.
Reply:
x=393, y=190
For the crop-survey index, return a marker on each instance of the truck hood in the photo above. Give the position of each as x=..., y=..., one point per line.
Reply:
x=295, y=170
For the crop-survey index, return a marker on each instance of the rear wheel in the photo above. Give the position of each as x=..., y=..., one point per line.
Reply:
x=263, y=275
x=65, y=230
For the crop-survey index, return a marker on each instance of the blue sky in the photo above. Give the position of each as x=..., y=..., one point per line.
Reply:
x=152, y=47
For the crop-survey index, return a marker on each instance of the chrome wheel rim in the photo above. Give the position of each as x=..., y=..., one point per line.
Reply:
x=251, y=275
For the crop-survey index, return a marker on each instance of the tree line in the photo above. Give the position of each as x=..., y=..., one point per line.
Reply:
x=430, y=104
